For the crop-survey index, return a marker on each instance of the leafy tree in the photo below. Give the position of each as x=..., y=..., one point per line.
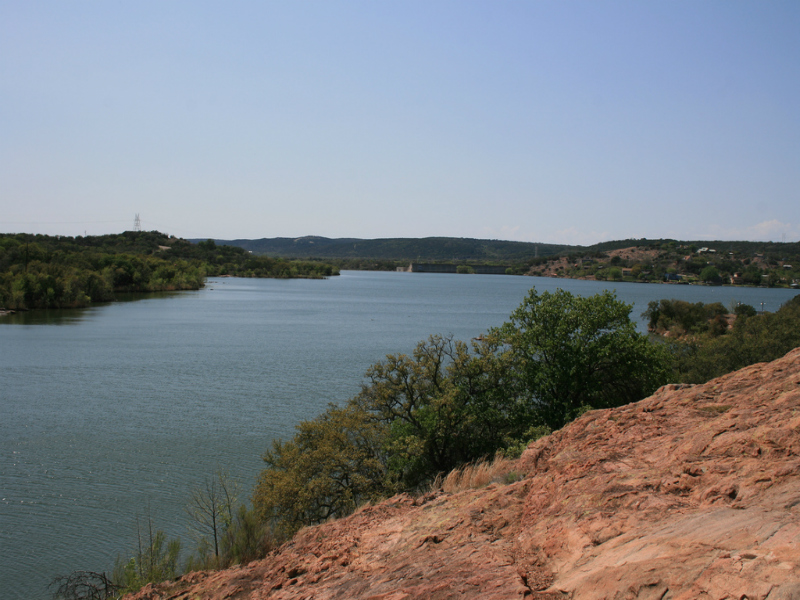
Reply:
x=571, y=352
x=333, y=464
x=443, y=406
x=710, y=274
x=448, y=404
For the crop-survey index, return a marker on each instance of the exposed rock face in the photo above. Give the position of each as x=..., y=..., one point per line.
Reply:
x=691, y=493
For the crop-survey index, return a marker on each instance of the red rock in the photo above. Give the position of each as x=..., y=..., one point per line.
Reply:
x=691, y=493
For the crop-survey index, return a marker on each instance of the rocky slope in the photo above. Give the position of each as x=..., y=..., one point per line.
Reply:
x=691, y=493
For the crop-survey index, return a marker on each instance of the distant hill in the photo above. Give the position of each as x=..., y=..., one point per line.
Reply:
x=778, y=249
x=428, y=249
x=448, y=249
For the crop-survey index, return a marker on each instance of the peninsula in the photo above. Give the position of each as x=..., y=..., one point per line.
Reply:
x=41, y=271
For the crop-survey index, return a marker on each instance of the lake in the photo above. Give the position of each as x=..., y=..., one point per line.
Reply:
x=115, y=411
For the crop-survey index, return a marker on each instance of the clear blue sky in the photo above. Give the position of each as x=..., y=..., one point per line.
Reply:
x=572, y=122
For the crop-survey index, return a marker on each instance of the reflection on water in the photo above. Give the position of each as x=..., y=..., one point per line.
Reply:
x=64, y=316
x=72, y=316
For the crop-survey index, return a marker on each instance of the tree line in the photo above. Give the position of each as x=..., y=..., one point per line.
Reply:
x=739, y=263
x=708, y=340
x=39, y=271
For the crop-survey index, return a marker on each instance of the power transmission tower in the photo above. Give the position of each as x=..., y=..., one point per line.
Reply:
x=137, y=224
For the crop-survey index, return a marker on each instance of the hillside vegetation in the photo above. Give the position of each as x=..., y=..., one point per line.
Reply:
x=716, y=262
x=398, y=249
x=713, y=263
x=704, y=344
x=39, y=271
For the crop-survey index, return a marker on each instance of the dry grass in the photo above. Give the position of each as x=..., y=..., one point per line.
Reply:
x=478, y=475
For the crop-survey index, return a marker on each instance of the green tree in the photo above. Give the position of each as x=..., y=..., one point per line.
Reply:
x=570, y=353
x=333, y=464
x=710, y=274
x=752, y=275
x=443, y=406
x=449, y=403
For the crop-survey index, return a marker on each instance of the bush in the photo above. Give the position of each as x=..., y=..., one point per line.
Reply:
x=155, y=560
x=247, y=538
x=84, y=585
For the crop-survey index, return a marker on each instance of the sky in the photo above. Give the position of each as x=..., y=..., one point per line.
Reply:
x=568, y=122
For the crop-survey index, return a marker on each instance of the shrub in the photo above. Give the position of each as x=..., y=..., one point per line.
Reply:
x=155, y=560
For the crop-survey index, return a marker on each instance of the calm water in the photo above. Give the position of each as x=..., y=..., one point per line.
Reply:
x=108, y=412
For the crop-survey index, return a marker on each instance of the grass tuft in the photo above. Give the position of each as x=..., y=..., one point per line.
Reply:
x=480, y=474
